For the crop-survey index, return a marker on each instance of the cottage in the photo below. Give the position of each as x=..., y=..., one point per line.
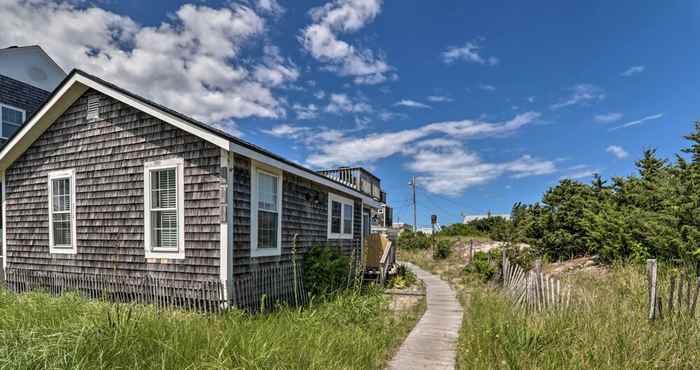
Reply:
x=105, y=184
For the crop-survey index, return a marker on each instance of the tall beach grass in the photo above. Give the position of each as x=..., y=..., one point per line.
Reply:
x=350, y=331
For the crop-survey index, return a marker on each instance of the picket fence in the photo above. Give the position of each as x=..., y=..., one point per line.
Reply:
x=534, y=290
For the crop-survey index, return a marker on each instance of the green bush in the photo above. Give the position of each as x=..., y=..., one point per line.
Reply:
x=404, y=278
x=442, y=249
x=325, y=271
x=410, y=240
x=485, y=264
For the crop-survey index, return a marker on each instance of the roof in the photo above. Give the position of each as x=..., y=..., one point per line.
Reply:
x=78, y=81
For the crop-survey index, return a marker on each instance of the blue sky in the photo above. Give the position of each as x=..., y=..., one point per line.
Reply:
x=486, y=102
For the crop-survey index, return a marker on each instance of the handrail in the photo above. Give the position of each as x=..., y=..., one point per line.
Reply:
x=387, y=260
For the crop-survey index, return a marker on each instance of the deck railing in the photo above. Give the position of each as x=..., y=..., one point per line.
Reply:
x=359, y=179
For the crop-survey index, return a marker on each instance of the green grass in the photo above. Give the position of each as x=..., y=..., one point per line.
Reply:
x=350, y=331
x=609, y=330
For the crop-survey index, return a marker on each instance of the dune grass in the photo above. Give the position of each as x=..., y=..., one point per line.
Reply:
x=608, y=330
x=351, y=331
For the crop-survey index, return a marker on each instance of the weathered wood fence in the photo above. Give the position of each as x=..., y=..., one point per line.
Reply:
x=534, y=290
x=260, y=290
x=681, y=292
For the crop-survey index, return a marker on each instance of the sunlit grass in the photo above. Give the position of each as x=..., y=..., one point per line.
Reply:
x=351, y=331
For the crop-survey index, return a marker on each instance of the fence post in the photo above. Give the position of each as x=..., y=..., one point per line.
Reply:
x=651, y=278
x=471, y=251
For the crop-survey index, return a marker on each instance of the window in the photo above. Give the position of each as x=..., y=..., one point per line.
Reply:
x=61, y=190
x=266, y=216
x=340, y=217
x=164, y=216
x=11, y=119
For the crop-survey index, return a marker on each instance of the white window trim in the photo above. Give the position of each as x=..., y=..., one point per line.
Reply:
x=276, y=172
x=73, y=247
x=24, y=117
x=178, y=165
x=343, y=202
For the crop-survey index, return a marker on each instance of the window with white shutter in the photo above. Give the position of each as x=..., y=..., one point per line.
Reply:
x=11, y=119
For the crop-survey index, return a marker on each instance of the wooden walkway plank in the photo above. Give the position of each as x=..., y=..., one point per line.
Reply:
x=432, y=343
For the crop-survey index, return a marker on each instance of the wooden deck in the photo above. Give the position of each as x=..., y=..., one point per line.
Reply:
x=432, y=343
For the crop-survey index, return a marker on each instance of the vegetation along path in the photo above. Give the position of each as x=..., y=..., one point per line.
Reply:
x=431, y=344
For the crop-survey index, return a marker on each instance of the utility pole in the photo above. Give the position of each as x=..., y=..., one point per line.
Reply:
x=412, y=183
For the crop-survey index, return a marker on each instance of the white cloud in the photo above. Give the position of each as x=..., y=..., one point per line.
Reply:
x=305, y=112
x=639, y=121
x=580, y=171
x=270, y=6
x=286, y=131
x=320, y=39
x=608, y=118
x=341, y=103
x=411, y=104
x=632, y=70
x=439, y=99
x=362, y=150
x=192, y=62
x=451, y=170
x=581, y=94
x=468, y=53
x=617, y=151
x=487, y=87
x=388, y=116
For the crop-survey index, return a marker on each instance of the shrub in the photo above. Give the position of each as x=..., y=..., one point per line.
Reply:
x=404, y=278
x=485, y=264
x=325, y=270
x=442, y=250
x=410, y=240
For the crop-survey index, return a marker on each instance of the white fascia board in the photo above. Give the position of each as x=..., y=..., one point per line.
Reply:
x=236, y=148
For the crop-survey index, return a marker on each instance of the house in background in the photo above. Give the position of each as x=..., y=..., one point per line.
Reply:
x=27, y=77
x=101, y=182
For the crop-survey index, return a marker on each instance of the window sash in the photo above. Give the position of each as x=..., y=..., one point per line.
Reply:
x=266, y=211
x=347, y=219
x=11, y=119
x=61, y=197
x=163, y=209
x=340, y=217
x=164, y=221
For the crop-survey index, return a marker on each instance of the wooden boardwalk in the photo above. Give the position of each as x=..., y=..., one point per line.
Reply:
x=432, y=343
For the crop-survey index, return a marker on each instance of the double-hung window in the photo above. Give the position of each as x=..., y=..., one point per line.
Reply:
x=266, y=211
x=340, y=217
x=61, y=190
x=164, y=209
x=11, y=119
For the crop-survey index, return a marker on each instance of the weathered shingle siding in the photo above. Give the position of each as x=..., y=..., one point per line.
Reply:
x=21, y=95
x=108, y=156
x=300, y=216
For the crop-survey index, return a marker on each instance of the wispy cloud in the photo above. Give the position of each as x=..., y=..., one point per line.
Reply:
x=305, y=112
x=617, y=151
x=608, y=117
x=639, y=121
x=439, y=99
x=469, y=53
x=632, y=70
x=341, y=103
x=579, y=172
x=412, y=104
x=321, y=40
x=362, y=150
x=487, y=87
x=580, y=94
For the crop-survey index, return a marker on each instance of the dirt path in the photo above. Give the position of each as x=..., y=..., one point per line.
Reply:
x=432, y=343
